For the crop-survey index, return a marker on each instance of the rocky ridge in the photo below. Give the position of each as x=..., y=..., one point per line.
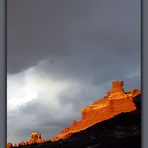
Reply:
x=114, y=103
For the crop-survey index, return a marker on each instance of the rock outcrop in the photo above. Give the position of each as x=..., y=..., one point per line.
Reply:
x=115, y=102
x=9, y=145
x=122, y=131
x=35, y=138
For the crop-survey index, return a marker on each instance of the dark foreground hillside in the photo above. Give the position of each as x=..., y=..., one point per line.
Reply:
x=122, y=131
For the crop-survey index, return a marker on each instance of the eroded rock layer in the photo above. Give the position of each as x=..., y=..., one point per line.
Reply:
x=115, y=102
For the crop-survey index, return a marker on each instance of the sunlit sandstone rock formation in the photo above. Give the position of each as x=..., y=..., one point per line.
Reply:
x=34, y=138
x=115, y=102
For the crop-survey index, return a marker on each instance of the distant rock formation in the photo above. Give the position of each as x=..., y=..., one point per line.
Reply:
x=115, y=102
x=9, y=145
x=35, y=138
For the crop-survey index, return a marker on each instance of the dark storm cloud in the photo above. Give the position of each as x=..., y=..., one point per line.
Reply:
x=63, y=28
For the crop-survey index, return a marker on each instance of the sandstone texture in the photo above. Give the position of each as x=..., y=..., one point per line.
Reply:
x=115, y=102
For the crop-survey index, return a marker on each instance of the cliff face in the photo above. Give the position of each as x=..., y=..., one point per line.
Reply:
x=122, y=131
x=115, y=102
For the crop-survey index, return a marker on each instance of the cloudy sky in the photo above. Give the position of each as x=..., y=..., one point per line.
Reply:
x=63, y=55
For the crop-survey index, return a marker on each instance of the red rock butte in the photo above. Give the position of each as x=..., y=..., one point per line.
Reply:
x=115, y=102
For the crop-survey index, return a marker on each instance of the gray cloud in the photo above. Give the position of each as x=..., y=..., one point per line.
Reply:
x=39, y=30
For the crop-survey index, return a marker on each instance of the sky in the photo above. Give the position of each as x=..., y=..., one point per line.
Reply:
x=63, y=55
